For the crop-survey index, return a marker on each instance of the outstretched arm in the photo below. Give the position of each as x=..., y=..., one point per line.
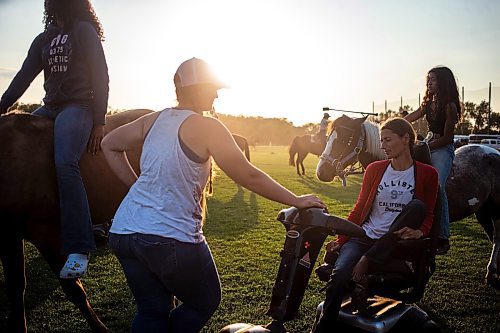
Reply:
x=221, y=145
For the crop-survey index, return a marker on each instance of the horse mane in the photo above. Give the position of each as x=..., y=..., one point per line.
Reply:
x=372, y=131
x=15, y=111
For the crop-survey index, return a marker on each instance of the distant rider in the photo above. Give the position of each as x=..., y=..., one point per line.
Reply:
x=323, y=126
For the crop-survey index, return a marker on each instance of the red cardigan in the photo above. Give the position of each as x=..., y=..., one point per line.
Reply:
x=426, y=190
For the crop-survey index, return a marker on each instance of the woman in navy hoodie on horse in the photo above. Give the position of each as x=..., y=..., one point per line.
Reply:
x=70, y=53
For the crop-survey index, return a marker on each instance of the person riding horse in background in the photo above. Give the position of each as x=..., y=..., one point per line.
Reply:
x=157, y=230
x=442, y=110
x=70, y=53
x=396, y=201
x=323, y=127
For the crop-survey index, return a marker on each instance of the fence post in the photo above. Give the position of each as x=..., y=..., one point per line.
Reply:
x=489, y=108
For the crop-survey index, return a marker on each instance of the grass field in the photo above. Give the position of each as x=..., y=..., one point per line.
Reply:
x=245, y=239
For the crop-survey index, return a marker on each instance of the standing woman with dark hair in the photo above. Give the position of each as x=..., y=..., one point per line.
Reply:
x=70, y=53
x=441, y=108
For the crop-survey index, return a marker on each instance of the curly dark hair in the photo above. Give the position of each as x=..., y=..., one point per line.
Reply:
x=447, y=89
x=68, y=10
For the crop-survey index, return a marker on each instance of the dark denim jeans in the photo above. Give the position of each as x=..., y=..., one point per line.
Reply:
x=377, y=251
x=158, y=268
x=72, y=127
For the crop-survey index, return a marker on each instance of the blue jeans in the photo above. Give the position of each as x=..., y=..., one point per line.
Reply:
x=158, y=268
x=72, y=127
x=442, y=160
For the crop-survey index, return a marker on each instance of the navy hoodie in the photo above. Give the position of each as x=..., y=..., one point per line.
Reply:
x=74, y=67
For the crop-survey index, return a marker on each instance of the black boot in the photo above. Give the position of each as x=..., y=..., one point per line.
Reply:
x=443, y=246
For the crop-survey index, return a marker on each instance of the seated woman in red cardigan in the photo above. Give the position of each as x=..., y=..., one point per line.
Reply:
x=396, y=201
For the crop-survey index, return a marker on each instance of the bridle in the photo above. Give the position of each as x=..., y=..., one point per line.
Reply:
x=348, y=154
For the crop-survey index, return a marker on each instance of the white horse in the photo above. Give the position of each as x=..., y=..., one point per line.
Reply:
x=473, y=186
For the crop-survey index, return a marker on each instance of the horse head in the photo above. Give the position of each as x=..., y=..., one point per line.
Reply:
x=345, y=142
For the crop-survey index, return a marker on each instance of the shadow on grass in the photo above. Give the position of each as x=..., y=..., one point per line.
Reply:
x=229, y=219
x=436, y=317
x=469, y=228
x=41, y=286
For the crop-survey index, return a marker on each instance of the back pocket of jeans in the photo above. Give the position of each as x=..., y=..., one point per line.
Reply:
x=157, y=253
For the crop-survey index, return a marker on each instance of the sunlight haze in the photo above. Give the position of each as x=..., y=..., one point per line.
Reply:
x=282, y=58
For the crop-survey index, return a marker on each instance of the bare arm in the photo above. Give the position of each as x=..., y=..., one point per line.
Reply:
x=449, y=128
x=415, y=115
x=221, y=145
x=126, y=137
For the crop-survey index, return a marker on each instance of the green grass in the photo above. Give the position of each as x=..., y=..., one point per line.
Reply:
x=245, y=239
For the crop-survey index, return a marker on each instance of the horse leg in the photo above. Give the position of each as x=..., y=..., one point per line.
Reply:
x=297, y=164
x=483, y=216
x=490, y=221
x=73, y=288
x=12, y=256
x=492, y=273
x=302, y=164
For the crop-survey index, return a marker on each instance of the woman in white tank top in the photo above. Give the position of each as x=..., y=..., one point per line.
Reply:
x=157, y=231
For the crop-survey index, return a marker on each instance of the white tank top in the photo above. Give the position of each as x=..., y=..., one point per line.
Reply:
x=166, y=199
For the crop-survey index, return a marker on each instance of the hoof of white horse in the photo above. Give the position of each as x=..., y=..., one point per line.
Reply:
x=244, y=328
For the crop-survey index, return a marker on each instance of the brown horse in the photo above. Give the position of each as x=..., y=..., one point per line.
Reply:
x=242, y=142
x=472, y=188
x=29, y=205
x=301, y=146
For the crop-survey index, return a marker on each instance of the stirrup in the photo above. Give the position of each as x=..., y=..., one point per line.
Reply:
x=75, y=266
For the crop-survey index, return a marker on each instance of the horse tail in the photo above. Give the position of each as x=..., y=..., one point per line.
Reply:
x=246, y=149
x=292, y=151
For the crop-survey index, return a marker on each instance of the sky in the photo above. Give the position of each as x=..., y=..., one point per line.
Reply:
x=282, y=58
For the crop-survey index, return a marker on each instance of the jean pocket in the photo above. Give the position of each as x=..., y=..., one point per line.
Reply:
x=113, y=242
x=158, y=253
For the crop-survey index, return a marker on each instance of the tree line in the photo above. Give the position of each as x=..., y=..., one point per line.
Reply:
x=257, y=130
x=281, y=132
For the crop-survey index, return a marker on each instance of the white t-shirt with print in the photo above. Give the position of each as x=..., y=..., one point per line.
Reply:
x=394, y=192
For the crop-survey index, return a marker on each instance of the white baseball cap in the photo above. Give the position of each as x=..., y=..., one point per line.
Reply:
x=196, y=71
